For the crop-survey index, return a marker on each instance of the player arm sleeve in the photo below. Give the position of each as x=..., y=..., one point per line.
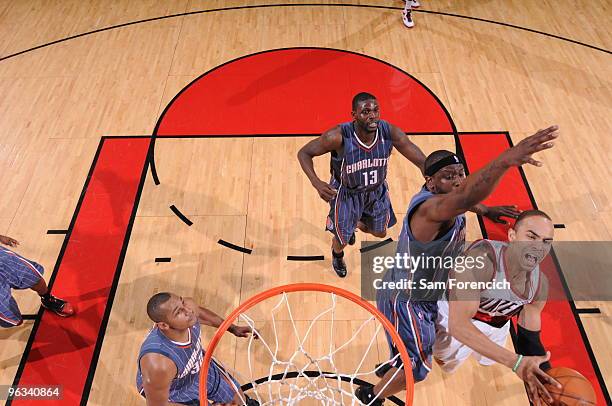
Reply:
x=529, y=343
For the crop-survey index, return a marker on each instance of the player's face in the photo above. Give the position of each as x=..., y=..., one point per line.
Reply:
x=446, y=179
x=179, y=316
x=530, y=241
x=367, y=115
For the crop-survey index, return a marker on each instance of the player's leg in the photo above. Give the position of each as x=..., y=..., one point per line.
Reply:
x=223, y=388
x=407, y=14
x=415, y=323
x=27, y=274
x=10, y=316
x=448, y=352
x=345, y=210
x=378, y=214
x=391, y=378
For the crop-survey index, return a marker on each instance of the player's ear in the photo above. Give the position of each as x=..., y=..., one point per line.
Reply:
x=430, y=184
x=511, y=234
x=162, y=325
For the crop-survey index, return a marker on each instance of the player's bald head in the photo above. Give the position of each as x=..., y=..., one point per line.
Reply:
x=529, y=214
x=155, y=306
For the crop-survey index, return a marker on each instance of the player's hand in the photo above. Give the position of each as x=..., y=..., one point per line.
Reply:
x=325, y=190
x=11, y=242
x=242, y=331
x=521, y=153
x=530, y=372
x=494, y=213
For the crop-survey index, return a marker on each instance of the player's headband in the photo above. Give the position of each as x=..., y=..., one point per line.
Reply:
x=449, y=160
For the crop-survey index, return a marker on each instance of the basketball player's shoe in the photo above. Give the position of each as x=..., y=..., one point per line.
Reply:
x=339, y=266
x=56, y=305
x=251, y=401
x=414, y=3
x=407, y=18
x=366, y=396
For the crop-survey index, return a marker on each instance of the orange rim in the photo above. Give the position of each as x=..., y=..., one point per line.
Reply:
x=304, y=287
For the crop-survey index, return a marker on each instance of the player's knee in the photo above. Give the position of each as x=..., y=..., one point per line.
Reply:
x=380, y=234
x=338, y=243
x=419, y=374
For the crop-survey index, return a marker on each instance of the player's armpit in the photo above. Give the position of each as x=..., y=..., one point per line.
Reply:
x=158, y=372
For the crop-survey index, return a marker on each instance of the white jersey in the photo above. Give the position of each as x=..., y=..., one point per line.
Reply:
x=497, y=306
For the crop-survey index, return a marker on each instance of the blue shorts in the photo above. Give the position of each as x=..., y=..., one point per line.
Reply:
x=16, y=272
x=219, y=384
x=373, y=208
x=415, y=323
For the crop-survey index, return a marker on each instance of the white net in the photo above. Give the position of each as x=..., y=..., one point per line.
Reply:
x=321, y=360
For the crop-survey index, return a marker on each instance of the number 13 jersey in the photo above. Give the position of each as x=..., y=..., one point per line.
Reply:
x=360, y=167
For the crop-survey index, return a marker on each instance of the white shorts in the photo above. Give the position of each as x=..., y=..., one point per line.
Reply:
x=450, y=352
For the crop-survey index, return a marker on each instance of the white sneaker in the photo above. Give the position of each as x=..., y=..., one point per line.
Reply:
x=415, y=3
x=407, y=18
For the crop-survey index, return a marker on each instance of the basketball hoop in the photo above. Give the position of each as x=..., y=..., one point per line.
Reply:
x=319, y=364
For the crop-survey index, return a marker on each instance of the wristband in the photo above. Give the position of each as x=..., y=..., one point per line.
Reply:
x=518, y=363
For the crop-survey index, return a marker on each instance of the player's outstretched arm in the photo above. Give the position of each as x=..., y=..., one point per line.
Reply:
x=480, y=184
x=407, y=148
x=157, y=375
x=329, y=141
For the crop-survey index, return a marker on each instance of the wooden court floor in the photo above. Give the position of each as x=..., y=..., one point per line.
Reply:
x=59, y=100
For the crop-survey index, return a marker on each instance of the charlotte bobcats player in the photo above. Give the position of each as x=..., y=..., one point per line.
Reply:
x=479, y=320
x=171, y=356
x=17, y=272
x=358, y=192
x=434, y=227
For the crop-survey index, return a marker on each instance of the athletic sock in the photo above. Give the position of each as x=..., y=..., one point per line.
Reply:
x=337, y=254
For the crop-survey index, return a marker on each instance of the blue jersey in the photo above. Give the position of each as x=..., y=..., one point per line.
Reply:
x=187, y=357
x=434, y=259
x=359, y=167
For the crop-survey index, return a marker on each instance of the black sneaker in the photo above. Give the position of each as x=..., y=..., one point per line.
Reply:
x=251, y=402
x=351, y=240
x=365, y=394
x=381, y=369
x=57, y=305
x=339, y=266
